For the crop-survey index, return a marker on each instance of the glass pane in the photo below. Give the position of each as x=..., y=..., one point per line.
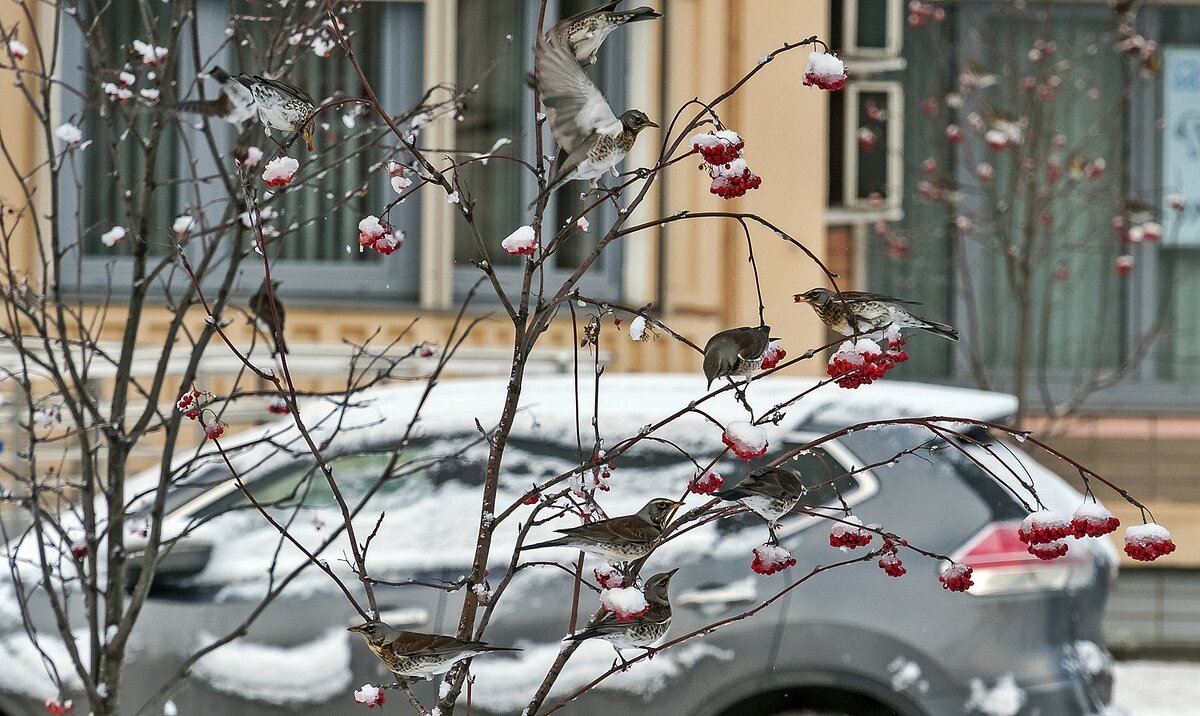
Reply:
x=1179, y=344
x=117, y=163
x=871, y=28
x=874, y=151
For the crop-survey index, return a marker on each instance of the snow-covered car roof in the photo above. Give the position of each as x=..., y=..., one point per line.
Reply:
x=552, y=406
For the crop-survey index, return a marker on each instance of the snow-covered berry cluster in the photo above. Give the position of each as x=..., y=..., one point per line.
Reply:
x=57, y=708
x=1093, y=520
x=280, y=171
x=278, y=406
x=769, y=559
x=214, y=429
x=772, y=356
x=47, y=416
x=722, y=152
x=534, y=497
x=69, y=135
x=1044, y=533
x=889, y=559
x=748, y=441
x=825, y=71
x=956, y=577
x=191, y=403
x=862, y=362
x=113, y=236
x=729, y=181
x=378, y=235
x=79, y=549
x=625, y=603
x=601, y=473
x=1145, y=231
x=152, y=56
x=609, y=577
x=705, y=482
x=248, y=158
x=182, y=226
x=1148, y=542
x=849, y=536
x=17, y=49
x=370, y=695
x=720, y=147
x=522, y=242
x=1123, y=266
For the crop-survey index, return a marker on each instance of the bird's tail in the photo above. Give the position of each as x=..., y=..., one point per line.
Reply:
x=487, y=647
x=940, y=329
x=219, y=74
x=582, y=635
x=208, y=107
x=560, y=542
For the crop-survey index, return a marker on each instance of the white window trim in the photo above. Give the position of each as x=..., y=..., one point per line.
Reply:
x=894, y=32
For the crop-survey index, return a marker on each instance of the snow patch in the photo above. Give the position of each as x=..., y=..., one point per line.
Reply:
x=307, y=673
x=1003, y=699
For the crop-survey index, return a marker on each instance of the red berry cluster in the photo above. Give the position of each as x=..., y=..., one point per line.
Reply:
x=772, y=356
x=1049, y=550
x=770, y=559
x=731, y=186
x=56, y=707
x=1148, y=542
x=864, y=362
x=609, y=577
x=79, y=549
x=846, y=536
x=744, y=450
x=278, y=406
x=214, y=429
x=191, y=402
x=956, y=578
x=533, y=497
x=720, y=151
x=705, y=482
x=601, y=474
x=1044, y=532
x=1092, y=520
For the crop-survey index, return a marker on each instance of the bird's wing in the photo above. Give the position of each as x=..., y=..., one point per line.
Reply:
x=411, y=642
x=575, y=107
x=859, y=296
x=756, y=344
x=286, y=89
x=628, y=528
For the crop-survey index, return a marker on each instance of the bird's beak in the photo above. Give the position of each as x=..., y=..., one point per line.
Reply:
x=358, y=628
x=651, y=124
x=677, y=504
x=800, y=298
x=672, y=572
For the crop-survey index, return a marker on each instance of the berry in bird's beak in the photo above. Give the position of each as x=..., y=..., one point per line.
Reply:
x=800, y=298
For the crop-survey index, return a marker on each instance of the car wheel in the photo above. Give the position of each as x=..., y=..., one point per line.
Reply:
x=809, y=712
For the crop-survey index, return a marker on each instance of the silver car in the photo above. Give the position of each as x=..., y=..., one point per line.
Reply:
x=851, y=640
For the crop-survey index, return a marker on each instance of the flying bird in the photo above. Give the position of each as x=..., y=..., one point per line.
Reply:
x=281, y=106
x=264, y=317
x=736, y=351
x=591, y=138
x=770, y=493
x=639, y=632
x=850, y=312
x=416, y=655
x=586, y=31
x=619, y=539
x=234, y=105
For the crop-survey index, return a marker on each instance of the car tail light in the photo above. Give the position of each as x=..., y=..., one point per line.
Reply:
x=1001, y=563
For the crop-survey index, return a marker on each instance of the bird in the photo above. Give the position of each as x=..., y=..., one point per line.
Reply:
x=234, y=105
x=281, y=105
x=851, y=312
x=736, y=351
x=639, y=632
x=413, y=654
x=591, y=138
x=619, y=539
x=264, y=316
x=770, y=493
x=587, y=30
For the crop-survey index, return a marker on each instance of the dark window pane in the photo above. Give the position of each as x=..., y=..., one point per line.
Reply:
x=871, y=28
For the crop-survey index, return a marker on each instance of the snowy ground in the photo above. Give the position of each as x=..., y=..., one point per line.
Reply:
x=1159, y=688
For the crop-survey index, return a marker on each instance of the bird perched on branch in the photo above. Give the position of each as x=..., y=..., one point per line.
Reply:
x=736, y=351
x=850, y=312
x=281, y=106
x=619, y=539
x=769, y=493
x=416, y=655
x=591, y=138
x=264, y=316
x=586, y=31
x=234, y=105
x=639, y=632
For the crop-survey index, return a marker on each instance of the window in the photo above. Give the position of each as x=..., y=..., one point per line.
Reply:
x=1077, y=160
x=498, y=58
x=316, y=252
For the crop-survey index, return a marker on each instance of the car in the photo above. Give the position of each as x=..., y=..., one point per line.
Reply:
x=849, y=640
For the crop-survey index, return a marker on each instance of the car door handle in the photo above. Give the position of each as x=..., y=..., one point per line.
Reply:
x=734, y=593
x=404, y=617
